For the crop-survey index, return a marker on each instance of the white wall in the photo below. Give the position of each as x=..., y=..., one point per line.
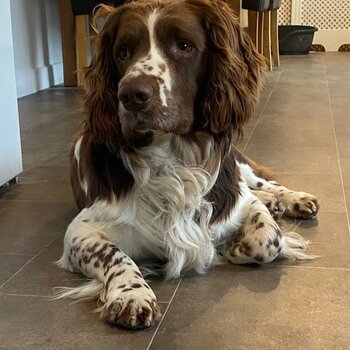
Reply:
x=10, y=144
x=37, y=44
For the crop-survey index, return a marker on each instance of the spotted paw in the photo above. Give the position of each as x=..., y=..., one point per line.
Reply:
x=301, y=205
x=275, y=206
x=132, y=307
x=276, y=209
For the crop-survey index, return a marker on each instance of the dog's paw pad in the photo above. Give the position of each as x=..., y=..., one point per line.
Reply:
x=131, y=312
x=276, y=208
x=303, y=206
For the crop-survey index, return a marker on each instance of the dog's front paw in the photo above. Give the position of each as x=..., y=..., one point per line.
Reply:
x=301, y=205
x=272, y=203
x=276, y=208
x=133, y=306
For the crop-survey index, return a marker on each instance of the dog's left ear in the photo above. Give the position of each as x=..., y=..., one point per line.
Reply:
x=234, y=70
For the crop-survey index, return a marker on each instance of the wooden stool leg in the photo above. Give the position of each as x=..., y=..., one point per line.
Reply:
x=253, y=26
x=68, y=44
x=260, y=32
x=267, y=39
x=81, y=46
x=274, y=38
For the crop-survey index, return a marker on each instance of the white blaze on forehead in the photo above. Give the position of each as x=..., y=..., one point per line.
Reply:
x=153, y=63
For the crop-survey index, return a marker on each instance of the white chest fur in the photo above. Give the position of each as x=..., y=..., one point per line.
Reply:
x=166, y=214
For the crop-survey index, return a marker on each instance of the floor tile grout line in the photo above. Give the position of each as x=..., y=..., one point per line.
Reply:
x=262, y=111
x=25, y=295
x=16, y=254
x=28, y=262
x=164, y=315
x=336, y=146
x=33, y=201
x=309, y=267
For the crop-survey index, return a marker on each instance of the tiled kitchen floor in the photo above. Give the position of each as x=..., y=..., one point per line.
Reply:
x=301, y=129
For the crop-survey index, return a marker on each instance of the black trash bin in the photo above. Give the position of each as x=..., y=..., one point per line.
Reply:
x=295, y=40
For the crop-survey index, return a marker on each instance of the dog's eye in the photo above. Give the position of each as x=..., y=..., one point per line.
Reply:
x=184, y=46
x=123, y=53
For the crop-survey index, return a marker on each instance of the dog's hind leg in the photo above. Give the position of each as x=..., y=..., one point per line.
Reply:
x=296, y=204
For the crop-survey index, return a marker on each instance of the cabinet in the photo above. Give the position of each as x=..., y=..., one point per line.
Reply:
x=10, y=141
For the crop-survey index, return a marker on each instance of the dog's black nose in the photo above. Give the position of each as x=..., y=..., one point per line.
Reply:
x=136, y=95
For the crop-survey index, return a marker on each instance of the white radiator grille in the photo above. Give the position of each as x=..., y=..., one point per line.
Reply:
x=326, y=14
x=284, y=12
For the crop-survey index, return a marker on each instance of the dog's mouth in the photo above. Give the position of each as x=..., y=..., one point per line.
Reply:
x=136, y=124
x=133, y=125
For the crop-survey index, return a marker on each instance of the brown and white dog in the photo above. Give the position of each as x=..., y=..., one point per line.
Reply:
x=154, y=170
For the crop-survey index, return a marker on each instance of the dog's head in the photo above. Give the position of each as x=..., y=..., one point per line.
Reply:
x=171, y=66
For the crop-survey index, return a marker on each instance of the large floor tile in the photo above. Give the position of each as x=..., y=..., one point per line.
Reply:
x=40, y=107
x=339, y=97
x=51, y=184
x=34, y=159
x=299, y=159
x=343, y=142
x=303, y=75
x=59, y=160
x=29, y=323
x=256, y=308
x=347, y=199
x=336, y=58
x=338, y=69
x=27, y=227
x=329, y=236
x=345, y=168
x=41, y=275
x=272, y=131
x=273, y=77
x=339, y=89
x=309, y=62
x=10, y=264
x=47, y=140
x=298, y=103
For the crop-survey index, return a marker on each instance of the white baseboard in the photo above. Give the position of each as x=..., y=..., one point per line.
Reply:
x=332, y=39
x=29, y=81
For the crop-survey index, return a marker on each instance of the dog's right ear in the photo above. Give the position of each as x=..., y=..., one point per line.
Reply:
x=101, y=79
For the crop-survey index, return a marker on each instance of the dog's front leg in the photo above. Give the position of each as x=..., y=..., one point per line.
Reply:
x=126, y=298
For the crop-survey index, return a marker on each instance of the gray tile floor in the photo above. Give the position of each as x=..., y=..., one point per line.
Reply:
x=301, y=128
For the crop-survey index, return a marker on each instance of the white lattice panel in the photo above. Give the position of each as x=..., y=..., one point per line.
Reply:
x=284, y=12
x=326, y=14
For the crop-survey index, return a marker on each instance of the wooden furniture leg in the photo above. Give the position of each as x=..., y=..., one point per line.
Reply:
x=253, y=17
x=267, y=39
x=236, y=5
x=81, y=46
x=68, y=44
x=260, y=46
x=274, y=38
